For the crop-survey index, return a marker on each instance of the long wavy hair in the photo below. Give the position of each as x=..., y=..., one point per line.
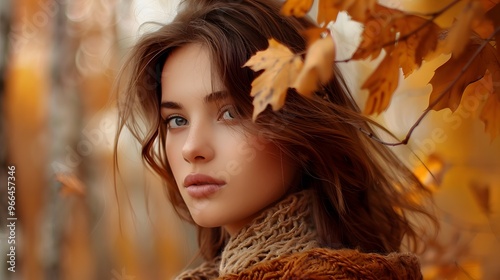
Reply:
x=362, y=192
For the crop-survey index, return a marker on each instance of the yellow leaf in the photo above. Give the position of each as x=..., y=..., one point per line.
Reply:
x=318, y=66
x=450, y=71
x=281, y=67
x=460, y=32
x=490, y=114
x=298, y=8
x=381, y=84
x=313, y=34
x=488, y=4
x=327, y=11
x=481, y=194
x=378, y=32
x=493, y=14
x=359, y=9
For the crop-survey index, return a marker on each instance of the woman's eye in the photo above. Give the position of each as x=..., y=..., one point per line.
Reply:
x=228, y=113
x=176, y=121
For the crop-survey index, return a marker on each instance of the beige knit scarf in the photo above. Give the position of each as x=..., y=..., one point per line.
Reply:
x=280, y=230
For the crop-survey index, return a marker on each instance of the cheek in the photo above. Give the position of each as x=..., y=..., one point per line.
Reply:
x=173, y=151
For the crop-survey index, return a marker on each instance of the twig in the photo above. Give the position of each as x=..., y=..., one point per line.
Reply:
x=432, y=16
x=441, y=96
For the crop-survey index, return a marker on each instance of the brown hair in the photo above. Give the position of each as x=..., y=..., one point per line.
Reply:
x=362, y=192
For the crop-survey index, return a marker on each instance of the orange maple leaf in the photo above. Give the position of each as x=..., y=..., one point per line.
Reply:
x=490, y=114
x=281, y=67
x=381, y=84
x=451, y=78
x=327, y=11
x=298, y=8
x=494, y=15
x=413, y=36
x=318, y=66
x=357, y=9
x=488, y=4
x=459, y=34
x=419, y=40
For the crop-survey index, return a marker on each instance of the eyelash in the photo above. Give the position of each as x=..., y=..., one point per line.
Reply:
x=227, y=108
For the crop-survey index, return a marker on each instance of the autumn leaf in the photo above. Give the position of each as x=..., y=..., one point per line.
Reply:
x=419, y=40
x=381, y=84
x=481, y=194
x=494, y=15
x=378, y=32
x=459, y=34
x=358, y=9
x=298, y=8
x=281, y=67
x=313, y=34
x=449, y=83
x=488, y=4
x=318, y=66
x=327, y=11
x=412, y=37
x=490, y=114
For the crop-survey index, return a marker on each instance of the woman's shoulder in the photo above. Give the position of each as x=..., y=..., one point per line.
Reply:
x=322, y=263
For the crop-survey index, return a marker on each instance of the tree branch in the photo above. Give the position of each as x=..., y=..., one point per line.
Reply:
x=441, y=96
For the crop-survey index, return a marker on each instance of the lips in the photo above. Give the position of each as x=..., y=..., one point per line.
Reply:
x=200, y=185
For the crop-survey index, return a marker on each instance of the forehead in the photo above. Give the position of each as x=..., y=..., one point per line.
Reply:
x=188, y=71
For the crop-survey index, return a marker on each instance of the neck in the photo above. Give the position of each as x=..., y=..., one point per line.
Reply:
x=279, y=230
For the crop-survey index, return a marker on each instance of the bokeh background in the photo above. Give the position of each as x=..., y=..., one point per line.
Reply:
x=58, y=62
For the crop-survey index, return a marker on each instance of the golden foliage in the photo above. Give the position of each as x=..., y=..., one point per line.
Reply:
x=407, y=40
x=298, y=8
x=281, y=70
x=284, y=69
x=318, y=66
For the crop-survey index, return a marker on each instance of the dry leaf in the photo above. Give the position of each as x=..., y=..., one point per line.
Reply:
x=327, y=11
x=490, y=114
x=313, y=34
x=378, y=32
x=281, y=67
x=494, y=15
x=381, y=84
x=449, y=71
x=488, y=4
x=481, y=194
x=298, y=8
x=460, y=32
x=358, y=9
x=415, y=38
x=318, y=66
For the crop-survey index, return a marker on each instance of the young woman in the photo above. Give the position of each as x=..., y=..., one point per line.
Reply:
x=300, y=192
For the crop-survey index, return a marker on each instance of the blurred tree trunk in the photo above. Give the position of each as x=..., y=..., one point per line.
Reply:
x=26, y=116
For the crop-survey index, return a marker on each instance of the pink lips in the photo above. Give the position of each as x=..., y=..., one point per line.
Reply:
x=200, y=185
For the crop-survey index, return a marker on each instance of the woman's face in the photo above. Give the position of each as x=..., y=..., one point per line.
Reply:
x=224, y=175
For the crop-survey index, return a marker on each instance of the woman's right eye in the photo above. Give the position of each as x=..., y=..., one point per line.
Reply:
x=176, y=122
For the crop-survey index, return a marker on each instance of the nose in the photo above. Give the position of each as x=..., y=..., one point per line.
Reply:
x=198, y=146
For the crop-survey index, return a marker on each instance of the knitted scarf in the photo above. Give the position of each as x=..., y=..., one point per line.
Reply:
x=281, y=243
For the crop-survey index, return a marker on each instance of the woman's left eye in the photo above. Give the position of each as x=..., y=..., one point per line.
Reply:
x=228, y=113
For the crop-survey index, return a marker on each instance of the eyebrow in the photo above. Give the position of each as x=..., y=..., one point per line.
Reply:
x=210, y=98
